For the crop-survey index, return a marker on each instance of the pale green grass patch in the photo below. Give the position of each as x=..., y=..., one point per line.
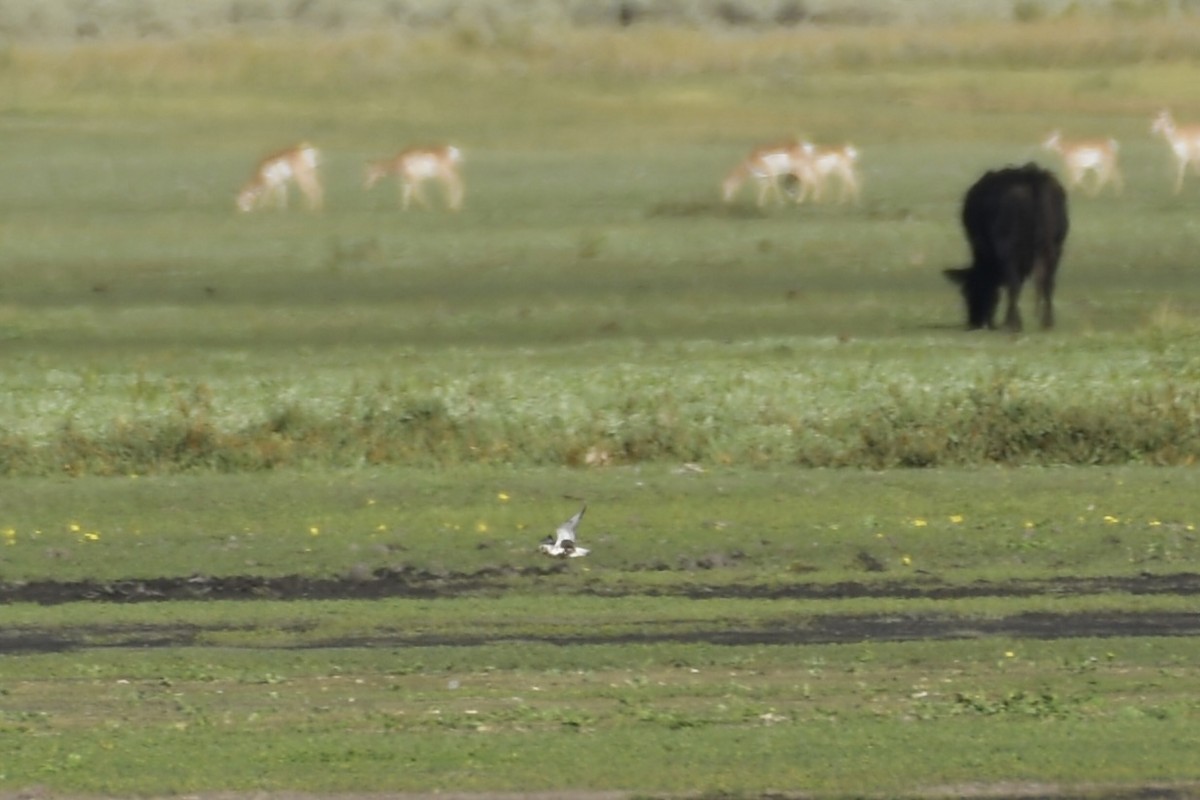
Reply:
x=828, y=718
x=751, y=526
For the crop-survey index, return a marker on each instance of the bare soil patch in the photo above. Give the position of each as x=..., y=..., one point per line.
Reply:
x=978, y=791
x=410, y=582
x=817, y=629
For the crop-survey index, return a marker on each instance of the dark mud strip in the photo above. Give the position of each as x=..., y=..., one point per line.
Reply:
x=1012, y=790
x=416, y=583
x=805, y=630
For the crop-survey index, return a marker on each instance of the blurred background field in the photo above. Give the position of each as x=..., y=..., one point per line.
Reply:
x=67, y=19
x=594, y=304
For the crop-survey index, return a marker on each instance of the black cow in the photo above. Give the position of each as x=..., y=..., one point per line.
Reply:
x=1016, y=222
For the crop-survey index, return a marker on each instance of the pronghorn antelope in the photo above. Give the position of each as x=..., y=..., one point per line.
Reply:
x=268, y=186
x=414, y=166
x=840, y=161
x=1081, y=156
x=766, y=165
x=1184, y=142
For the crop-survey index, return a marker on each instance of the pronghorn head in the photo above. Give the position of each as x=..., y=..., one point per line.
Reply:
x=248, y=197
x=310, y=154
x=1163, y=123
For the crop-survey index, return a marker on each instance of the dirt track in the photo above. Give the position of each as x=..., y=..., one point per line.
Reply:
x=425, y=584
x=839, y=628
x=813, y=629
x=980, y=791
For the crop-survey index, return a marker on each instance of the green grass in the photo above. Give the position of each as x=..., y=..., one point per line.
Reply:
x=673, y=718
x=149, y=329
x=760, y=526
x=192, y=392
x=159, y=333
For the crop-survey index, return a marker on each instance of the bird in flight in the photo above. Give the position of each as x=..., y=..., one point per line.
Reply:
x=562, y=543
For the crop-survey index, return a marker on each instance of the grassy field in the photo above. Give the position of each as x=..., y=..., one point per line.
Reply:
x=870, y=719
x=742, y=396
x=151, y=330
x=650, y=526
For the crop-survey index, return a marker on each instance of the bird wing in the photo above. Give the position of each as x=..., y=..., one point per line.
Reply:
x=566, y=531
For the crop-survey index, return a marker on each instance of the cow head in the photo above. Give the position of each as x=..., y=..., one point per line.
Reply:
x=981, y=296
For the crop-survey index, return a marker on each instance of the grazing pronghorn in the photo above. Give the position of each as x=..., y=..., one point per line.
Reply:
x=268, y=186
x=766, y=165
x=414, y=166
x=1081, y=156
x=1185, y=144
x=840, y=161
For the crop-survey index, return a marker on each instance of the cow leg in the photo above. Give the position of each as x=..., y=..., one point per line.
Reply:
x=1012, y=313
x=989, y=300
x=1044, y=283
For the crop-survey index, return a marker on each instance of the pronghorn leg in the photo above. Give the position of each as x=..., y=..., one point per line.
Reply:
x=763, y=188
x=776, y=189
x=849, y=187
x=418, y=193
x=310, y=186
x=802, y=189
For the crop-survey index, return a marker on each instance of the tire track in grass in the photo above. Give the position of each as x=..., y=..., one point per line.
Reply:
x=416, y=583
x=830, y=629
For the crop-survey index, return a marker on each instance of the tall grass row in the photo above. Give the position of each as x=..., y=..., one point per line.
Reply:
x=67, y=20
x=748, y=416
x=367, y=57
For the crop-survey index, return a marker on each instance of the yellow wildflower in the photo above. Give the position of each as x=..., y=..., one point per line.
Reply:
x=906, y=561
x=502, y=497
x=956, y=518
x=314, y=531
x=920, y=523
x=481, y=526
